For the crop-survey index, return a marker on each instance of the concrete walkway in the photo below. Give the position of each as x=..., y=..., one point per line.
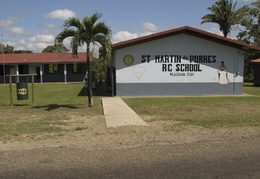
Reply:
x=118, y=113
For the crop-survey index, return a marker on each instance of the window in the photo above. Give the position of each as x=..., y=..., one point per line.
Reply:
x=76, y=68
x=53, y=68
x=23, y=69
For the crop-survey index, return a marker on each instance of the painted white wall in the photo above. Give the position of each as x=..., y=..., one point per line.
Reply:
x=184, y=45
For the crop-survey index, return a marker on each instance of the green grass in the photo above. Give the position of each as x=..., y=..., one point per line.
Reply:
x=45, y=94
x=54, y=105
x=209, y=112
x=250, y=89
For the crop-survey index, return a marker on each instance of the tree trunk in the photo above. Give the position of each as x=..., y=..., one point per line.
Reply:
x=89, y=82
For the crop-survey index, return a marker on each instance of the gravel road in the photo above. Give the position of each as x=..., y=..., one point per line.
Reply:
x=136, y=152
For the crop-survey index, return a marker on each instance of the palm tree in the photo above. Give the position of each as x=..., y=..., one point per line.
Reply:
x=224, y=14
x=88, y=32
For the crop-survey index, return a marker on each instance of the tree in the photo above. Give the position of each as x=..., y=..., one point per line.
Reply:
x=56, y=48
x=90, y=33
x=251, y=23
x=99, y=67
x=224, y=14
x=250, y=33
x=6, y=48
x=23, y=51
x=10, y=49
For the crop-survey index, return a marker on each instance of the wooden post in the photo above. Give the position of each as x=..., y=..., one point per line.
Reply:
x=11, y=90
x=32, y=90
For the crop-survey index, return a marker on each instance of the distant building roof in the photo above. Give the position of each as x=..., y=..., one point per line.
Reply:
x=29, y=58
x=191, y=31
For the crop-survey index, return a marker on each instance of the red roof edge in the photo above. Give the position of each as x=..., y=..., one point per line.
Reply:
x=256, y=60
x=44, y=58
x=188, y=30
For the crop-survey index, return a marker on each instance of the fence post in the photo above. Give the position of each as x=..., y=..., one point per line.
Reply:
x=11, y=90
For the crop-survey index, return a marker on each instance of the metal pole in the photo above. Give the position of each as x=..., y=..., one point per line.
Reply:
x=41, y=74
x=65, y=73
x=17, y=74
x=3, y=57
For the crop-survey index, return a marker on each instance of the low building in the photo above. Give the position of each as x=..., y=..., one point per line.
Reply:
x=256, y=72
x=49, y=67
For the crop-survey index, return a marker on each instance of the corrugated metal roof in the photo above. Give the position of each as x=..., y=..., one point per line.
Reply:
x=29, y=58
x=191, y=31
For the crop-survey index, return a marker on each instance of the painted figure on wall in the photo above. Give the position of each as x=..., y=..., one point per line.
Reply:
x=222, y=74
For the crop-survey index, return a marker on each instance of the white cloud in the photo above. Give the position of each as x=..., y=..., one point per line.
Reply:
x=42, y=38
x=9, y=21
x=51, y=26
x=149, y=27
x=66, y=42
x=32, y=39
x=215, y=31
x=231, y=35
x=37, y=47
x=146, y=29
x=18, y=31
x=35, y=43
x=60, y=14
x=46, y=38
x=22, y=41
x=123, y=35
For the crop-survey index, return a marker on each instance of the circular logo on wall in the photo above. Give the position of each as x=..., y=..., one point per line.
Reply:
x=128, y=60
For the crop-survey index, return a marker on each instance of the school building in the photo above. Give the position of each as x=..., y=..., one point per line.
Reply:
x=182, y=61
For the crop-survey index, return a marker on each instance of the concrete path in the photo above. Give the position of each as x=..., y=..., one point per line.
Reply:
x=118, y=113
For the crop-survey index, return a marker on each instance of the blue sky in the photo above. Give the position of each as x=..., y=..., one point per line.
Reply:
x=33, y=25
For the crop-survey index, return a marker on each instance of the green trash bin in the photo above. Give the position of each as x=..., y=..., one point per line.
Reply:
x=22, y=91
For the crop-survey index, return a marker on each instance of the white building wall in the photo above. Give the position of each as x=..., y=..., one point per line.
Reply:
x=186, y=48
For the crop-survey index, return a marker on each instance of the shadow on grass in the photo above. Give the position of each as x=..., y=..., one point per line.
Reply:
x=248, y=85
x=51, y=107
x=82, y=92
x=251, y=86
x=21, y=104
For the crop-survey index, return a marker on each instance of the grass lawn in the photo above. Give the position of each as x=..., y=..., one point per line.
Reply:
x=55, y=104
x=209, y=112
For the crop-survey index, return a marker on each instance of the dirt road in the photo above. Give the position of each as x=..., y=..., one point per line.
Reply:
x=137, y=152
